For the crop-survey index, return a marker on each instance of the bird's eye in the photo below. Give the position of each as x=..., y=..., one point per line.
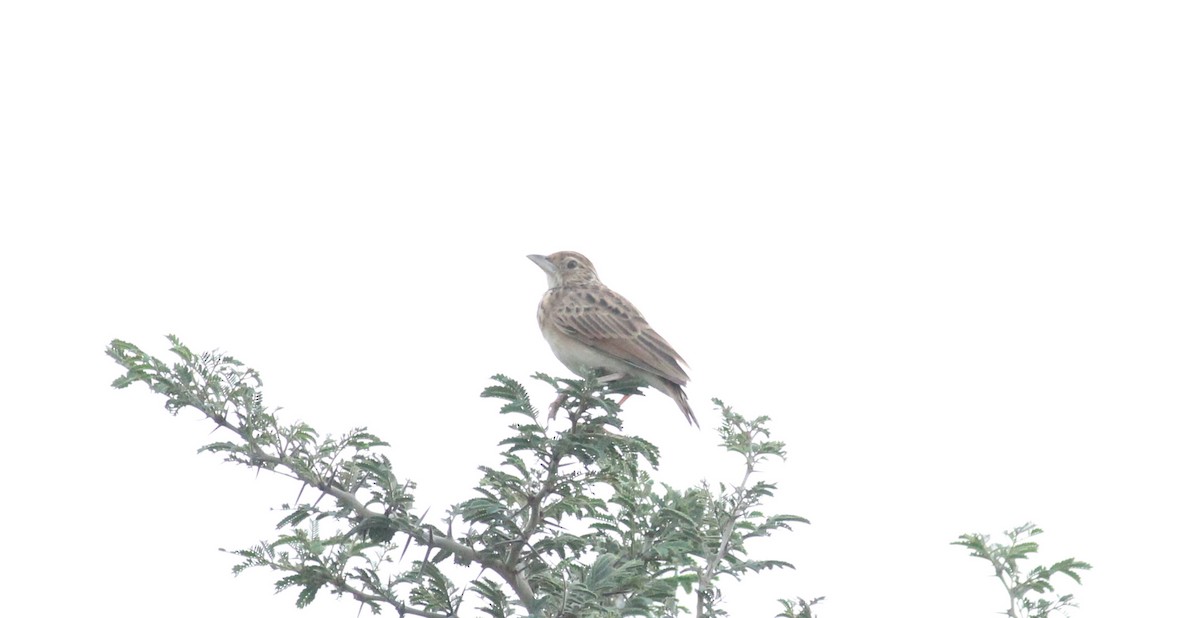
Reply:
x=572, y=264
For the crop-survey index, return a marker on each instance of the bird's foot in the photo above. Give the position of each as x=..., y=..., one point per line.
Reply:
x=555, y=405
x=613, y=377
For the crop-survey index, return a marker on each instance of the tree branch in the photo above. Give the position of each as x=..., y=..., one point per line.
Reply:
x=695, y=534
x=510, y=575
x=342, y=585
x=739, y=505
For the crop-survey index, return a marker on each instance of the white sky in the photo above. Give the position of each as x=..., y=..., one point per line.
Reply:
x=950, y=247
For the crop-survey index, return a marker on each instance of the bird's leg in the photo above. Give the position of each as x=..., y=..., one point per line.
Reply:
x=562, y=397
x=623, y=400
x=612, y=377
x=555, y=405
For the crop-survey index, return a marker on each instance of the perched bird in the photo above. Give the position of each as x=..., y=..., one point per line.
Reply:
x=592, y=328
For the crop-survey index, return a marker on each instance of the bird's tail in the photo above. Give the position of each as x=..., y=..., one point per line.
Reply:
x=680, y=397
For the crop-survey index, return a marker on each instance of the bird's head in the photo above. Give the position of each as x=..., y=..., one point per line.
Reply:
x=566, y=268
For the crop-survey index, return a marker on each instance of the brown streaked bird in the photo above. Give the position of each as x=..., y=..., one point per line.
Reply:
x=590, y=327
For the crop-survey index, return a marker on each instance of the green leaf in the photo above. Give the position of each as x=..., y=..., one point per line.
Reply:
x=307, y=594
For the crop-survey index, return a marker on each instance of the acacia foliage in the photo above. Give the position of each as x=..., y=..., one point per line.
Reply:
x=568, y=523
x=1031, y=593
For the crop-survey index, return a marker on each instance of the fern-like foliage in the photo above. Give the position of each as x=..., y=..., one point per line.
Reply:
x=567, y=523
x=1031, y=595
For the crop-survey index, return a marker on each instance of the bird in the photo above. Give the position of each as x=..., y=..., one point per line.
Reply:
x=591, y=329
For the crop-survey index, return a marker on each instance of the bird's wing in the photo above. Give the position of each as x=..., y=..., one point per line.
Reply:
x=604, y=320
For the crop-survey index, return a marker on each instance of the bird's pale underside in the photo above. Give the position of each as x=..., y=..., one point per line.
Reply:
x=591, y=328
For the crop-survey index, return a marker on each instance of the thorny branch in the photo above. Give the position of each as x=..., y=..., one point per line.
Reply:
x=552, y=542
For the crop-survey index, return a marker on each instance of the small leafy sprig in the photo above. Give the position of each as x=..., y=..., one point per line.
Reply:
x=1030, y=594
x=732, y=516
x=798, y=608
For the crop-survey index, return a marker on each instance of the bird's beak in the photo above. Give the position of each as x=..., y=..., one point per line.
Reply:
x=544, y=263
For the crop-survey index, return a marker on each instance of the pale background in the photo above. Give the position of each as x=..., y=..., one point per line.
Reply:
x=949, y=247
